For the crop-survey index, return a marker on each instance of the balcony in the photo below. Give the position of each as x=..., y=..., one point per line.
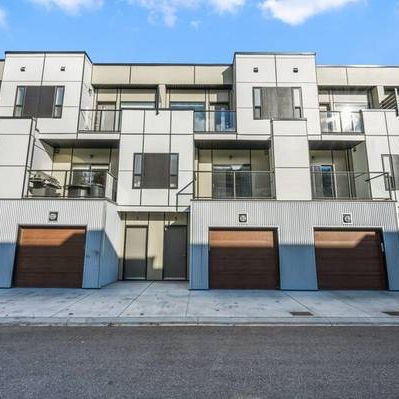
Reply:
x=72, y=184
x=348, y=185
x=234, y=185
x=99, y=120
x=214, y=121
x=341, y=122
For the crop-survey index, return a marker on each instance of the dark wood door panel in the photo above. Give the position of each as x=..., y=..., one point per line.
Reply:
x=350, y=260
x=243, y=259
x=50, y=257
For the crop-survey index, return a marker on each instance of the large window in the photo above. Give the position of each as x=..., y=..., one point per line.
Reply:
x=277, y=103
x=155, y=170
x=39, y=101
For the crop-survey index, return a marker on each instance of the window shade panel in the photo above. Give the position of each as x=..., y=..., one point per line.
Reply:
x=31, y=103
x=156, y=171
x=285, y=103
x=277, y=103
x=39, y=101
x=269, y=103
x=46, y=103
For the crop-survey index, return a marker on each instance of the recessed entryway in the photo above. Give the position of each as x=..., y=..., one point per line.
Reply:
x=350, y=260
x=167, y=243
x=135, y=260
x=50, y=257
x=243, y=259
x=175, y=253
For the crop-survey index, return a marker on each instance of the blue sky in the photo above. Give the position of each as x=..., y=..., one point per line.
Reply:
x=340, y=31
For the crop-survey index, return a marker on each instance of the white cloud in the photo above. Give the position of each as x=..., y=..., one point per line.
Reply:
x=227, y=5
x=167, y=10
x=195, y=24
x=3, y=18
x=295, y=12
x=292, y=12
x=71, y=6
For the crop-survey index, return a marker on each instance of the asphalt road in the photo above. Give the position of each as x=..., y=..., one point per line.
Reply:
x=199, y=362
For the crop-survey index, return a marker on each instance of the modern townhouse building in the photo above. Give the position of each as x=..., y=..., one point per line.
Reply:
x=267, y=173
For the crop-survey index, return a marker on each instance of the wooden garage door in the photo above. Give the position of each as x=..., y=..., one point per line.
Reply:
x=50, y=258
x=350, y=260
x=243, y=259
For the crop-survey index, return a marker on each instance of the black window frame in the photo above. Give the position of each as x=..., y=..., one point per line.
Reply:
x=277, y=117
x=138, y=176
x=55, y=106
x=58, y=106
x=21, y=106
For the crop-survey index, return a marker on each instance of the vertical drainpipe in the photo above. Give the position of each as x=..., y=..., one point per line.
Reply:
x=157, y=100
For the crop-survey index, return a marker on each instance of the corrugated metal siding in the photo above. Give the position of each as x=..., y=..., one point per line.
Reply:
x=14, y=213
x=111, y=245
x=295, y=222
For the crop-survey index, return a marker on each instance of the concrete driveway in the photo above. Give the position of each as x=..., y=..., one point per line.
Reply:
x=172, y=303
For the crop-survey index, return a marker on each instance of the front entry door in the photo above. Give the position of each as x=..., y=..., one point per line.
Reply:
x=175, y=253
x=135, y=262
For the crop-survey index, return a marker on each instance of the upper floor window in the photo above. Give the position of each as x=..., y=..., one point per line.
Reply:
x=152, y=170
x=39, y=101
x=349, y=99
x=187, y=105
x=138, y=104
x=277, y=103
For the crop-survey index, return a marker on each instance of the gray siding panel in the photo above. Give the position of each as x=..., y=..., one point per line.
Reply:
x=295, y=222
x=111, y=248
x=14, y=213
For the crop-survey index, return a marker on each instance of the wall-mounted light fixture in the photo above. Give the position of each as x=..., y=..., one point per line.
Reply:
x=23, y=68
x=295, y=70
x=63, y=68
x=53, y=217
x=256, y=69
x=347, y=218
x=243, y=218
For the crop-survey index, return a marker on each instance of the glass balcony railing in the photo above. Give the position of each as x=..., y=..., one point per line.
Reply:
x=351, y=185
x=341, y=122
x=214, y=121
x=99, y=120
x=71, y=184
x=234, y=185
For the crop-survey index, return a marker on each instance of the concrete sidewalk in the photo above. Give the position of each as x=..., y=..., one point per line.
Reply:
x=138, y=303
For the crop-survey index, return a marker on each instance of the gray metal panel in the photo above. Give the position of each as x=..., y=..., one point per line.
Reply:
x=395, y=169
x=70, y=213
x=285, y=103
x=295, y=221
x=175, y=253
x=136, y=252
x=111, y=246
x=46, y=102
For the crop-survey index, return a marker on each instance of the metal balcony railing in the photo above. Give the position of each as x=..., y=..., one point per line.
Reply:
x=214, y=121
x=71, y=184
x=99, y=120
x=350, y=185
x=234, y=185
x=341, y=122
x=391, y=102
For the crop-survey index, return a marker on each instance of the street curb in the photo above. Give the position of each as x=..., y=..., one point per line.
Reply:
x=195, y=321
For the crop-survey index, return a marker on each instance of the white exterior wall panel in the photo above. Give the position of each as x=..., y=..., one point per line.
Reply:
x=151, y=132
